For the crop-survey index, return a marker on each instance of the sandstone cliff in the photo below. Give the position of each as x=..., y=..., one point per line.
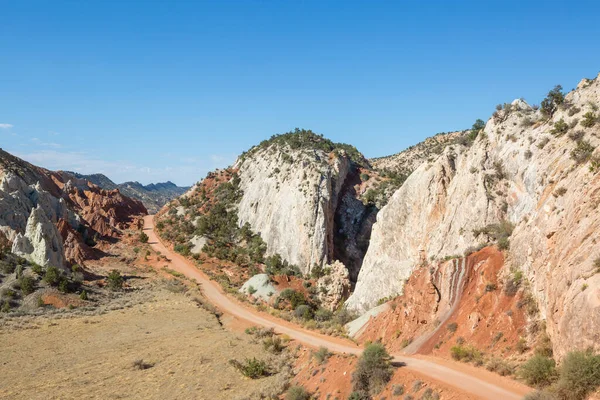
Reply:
x=297, y=192
x=53, y=219
x=292, y=195
x=534, y=171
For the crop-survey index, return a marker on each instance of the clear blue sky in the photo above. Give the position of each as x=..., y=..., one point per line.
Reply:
x=152, y=90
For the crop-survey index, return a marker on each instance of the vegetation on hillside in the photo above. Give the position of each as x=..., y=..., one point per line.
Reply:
x=379, y=195
x=373, y=371
x=215, y=214
x=302, y=139
x=20, y=278
x=500, y=233
x=576, y=378
x=553, y=100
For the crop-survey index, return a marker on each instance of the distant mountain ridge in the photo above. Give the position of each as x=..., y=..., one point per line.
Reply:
x=153, y=195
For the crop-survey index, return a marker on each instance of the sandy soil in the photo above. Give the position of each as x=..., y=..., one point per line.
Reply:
x=476, y=383
x=333, y=379
x=92, y=357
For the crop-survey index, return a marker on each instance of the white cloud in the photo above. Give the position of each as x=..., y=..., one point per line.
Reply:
x=5, y=126
x=45, y=144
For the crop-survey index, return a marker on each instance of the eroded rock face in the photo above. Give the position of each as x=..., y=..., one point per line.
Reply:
x=41, y=242
x=334, y=287
x=521, y=169
x=75, y=249
x=425, y=217
x=464, y=297
x=290, y=198
x=153, y=196
x=48, y=218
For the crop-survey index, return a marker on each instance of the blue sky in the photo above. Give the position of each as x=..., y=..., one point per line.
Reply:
x=152, y=91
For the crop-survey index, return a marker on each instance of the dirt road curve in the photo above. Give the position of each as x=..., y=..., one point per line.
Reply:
x=479, y=383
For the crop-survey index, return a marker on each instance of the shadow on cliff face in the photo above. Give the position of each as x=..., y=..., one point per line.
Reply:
x=353, y=222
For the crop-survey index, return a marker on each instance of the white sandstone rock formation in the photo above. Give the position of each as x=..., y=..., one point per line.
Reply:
x=517, y=170
x=290, y=198
x=334, y=287
x=41, y=242
x=260, y=287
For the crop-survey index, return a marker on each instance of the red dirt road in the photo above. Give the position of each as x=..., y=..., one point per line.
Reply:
x=475, y=381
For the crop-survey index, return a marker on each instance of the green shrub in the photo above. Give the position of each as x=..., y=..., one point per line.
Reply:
x=582, y=152
x=251, y=368
x=589, y=120
x=560, y=128
x=466, y=353
x=373, y=370
x=499, y=232
x=115, y=280
x=303, y=312
x=512, y=283
x=83, y=295
x=573, y=111
x=544, y=346
x=477, y=127
x=37, y=268
x=417, y=385
x=63, y=284
x=52, y=276
x=538, y=371
x=323, y=314
x=429, y=394
x=183, y=249
x=317, y=271
x=143, y=237
x=579, y=375
x=27, y=284
x=452, y=327
x=398, y=390
x=500, y=366
x=322, y=354
x=273, y=344
x=553, y=100
x=521, y=346
x=295, y=298
x=343, y=316
x=275, y=265
x=7, y=267
x=297, y=393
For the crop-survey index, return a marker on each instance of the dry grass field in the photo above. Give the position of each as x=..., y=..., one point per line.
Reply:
x=185, y=353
